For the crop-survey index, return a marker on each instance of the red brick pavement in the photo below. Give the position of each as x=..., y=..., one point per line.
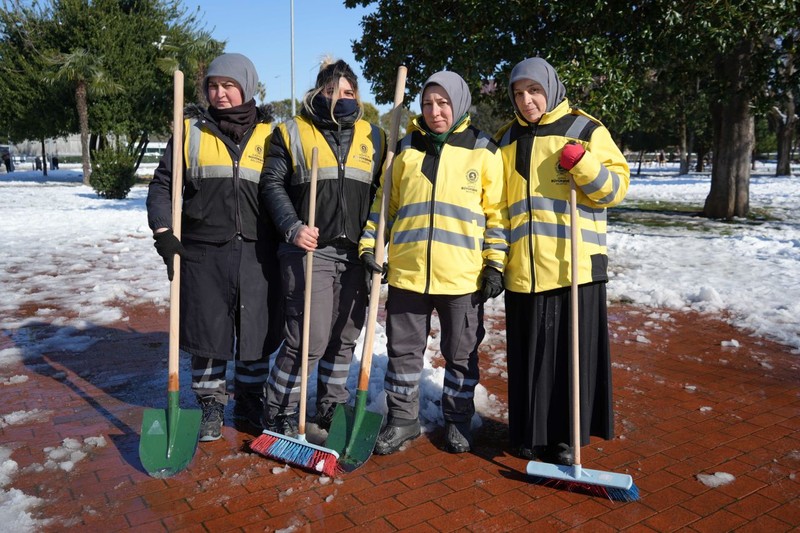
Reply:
x=685, y=404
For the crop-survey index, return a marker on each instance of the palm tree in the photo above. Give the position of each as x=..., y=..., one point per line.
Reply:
x=85, y=71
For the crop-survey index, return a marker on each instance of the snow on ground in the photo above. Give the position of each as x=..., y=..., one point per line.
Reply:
x=79, y=261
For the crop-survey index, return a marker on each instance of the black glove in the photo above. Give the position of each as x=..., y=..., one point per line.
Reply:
x=492, y=284
x=167, y=245
x=372, y=266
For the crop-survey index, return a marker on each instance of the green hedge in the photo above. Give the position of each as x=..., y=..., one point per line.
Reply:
x=112, y=173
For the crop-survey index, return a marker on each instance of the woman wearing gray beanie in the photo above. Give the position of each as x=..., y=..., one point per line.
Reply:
x=447, y=250
x=230, y=284
x=546, y=146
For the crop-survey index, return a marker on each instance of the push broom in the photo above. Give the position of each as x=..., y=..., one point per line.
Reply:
x=297, y=451
x=574, y=477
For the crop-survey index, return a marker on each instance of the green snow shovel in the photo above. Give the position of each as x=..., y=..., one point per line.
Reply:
x=354, y=430
x=169, y=437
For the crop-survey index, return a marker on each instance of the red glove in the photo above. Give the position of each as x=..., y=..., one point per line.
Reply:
x=571, y=154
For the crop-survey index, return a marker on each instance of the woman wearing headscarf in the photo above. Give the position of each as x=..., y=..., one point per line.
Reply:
x=547, y=145
x=447, y=225
x=350, y=154
x=230, y=284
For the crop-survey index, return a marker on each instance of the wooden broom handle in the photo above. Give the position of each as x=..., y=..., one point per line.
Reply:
x=375, y=289
x=312, y=217
x=575, y=351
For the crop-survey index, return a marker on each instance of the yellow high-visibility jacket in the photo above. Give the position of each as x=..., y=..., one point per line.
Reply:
x=538, y=194
x=447, y=216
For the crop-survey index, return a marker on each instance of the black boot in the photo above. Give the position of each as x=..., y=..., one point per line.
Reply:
x=283, y=424
x=458, y=437
x=248, y=408
x=325, y=416
x=392, y=437
x=211, y=421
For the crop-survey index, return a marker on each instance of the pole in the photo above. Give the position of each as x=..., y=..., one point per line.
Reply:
x=291, y=33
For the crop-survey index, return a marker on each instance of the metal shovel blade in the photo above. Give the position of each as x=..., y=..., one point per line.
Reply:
x=353, y=433
x=168, y=438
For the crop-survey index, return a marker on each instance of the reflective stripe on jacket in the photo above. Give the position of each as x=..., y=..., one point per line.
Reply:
x=447, y=216
x=220, y=197
x=344, y=191
x=538, y=194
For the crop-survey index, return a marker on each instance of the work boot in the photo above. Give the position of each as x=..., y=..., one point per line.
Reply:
x=283, y=424
x=458, y=437
x=211, y=421
x=325, y=416
x=248, y=408
x=392, y=437
x=560, y=454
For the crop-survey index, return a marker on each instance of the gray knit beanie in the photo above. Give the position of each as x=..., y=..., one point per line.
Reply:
x=238, y=68
x=455, y=87
x=540, y=71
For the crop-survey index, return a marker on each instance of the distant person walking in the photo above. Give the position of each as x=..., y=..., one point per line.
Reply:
x=55, y=162
x=230, y=284
x=8, y=162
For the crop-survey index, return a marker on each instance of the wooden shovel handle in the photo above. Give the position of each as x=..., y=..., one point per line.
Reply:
x=173, y=384
x=375, y=290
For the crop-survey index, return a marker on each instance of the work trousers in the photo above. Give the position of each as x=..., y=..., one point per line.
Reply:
x=408, y=323
x=209, y=379
x=338, y=307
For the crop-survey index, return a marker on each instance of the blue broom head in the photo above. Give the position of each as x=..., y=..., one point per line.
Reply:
x=297, y=452
x=574, y=478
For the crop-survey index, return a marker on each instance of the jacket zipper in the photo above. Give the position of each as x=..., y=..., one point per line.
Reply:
x=530, y=212
x=430, y=223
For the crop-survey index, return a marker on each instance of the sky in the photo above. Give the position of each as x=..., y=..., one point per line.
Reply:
x=78, y=264
x=261, y=30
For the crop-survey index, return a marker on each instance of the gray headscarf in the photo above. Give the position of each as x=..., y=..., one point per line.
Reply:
x=455, y=87
x=540, y=71
x=238, y=68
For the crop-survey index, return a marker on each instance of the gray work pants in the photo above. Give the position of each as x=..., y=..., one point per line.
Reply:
x=338, y=308
x=408, y=323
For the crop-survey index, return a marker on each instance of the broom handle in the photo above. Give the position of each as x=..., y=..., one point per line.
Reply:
x=575, y=351
x=173, y=382
x=312, y=215
x=375, y=289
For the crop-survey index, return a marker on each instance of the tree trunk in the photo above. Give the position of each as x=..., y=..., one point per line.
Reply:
x=44, y=159
x=683, y=148
x=787, y=124
x=83, y=119
x=733, y=138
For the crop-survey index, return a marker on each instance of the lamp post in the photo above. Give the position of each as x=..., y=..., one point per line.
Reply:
x=291, y=37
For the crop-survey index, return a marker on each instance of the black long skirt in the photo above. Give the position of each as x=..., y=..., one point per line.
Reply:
x=539, y=335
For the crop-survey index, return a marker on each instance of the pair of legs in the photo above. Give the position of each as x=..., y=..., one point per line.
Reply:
x=338, y=306
x=408, y=323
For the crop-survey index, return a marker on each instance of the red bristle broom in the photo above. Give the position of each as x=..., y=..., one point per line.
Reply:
x=297, y=451
x=574, y=478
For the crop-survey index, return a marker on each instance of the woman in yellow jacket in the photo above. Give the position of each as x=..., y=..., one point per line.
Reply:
x=548, y=145
x=447, y=224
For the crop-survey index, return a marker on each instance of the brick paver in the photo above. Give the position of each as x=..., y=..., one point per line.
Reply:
x=685, y=405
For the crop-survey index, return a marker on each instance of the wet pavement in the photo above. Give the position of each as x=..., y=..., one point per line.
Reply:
x=696, y=402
